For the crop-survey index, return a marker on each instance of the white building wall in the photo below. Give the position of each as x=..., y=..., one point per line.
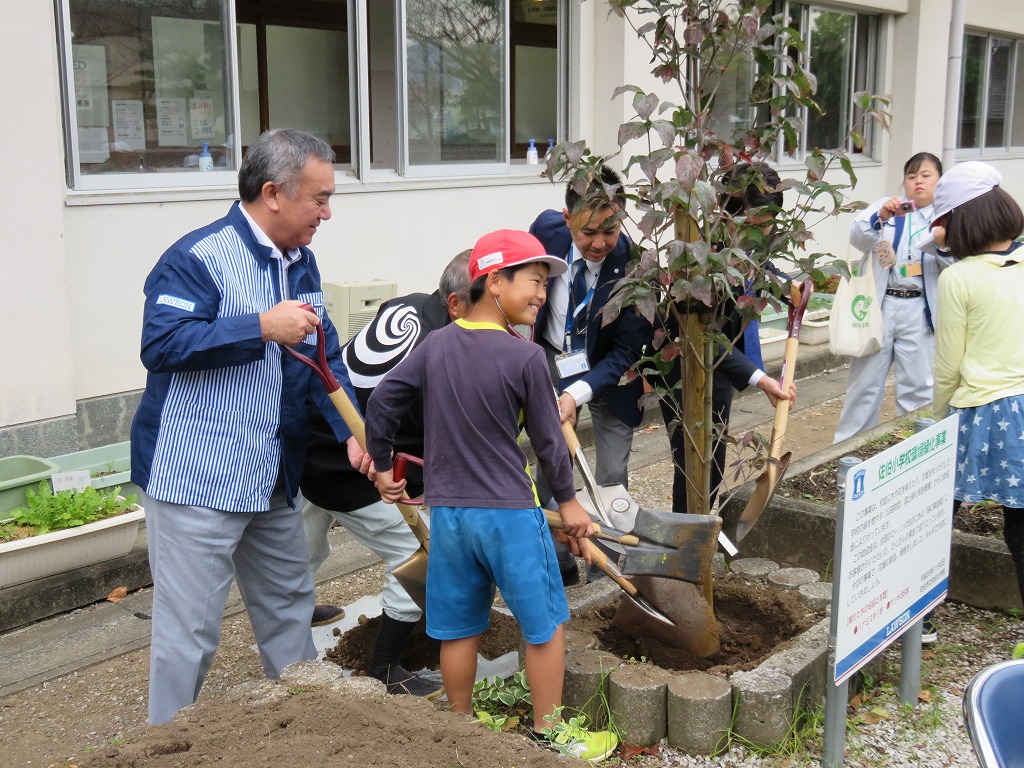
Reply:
x=36, y=368
x=74, y=266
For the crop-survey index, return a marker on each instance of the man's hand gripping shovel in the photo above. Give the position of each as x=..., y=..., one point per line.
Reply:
x=778, y=462
x=412, y=573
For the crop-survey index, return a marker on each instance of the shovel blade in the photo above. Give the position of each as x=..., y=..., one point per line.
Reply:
x=695, y=628
x=411, y=573
x=765, y=487
x=666, y=563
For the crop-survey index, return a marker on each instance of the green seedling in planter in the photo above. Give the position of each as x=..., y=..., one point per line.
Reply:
x=46, y=511
x=499, y=703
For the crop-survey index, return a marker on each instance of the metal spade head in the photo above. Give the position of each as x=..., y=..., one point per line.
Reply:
x=764, y=489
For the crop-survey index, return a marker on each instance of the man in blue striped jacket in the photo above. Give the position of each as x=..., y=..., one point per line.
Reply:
x=218, y=441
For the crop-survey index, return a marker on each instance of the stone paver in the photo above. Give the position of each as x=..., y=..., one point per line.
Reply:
x=753, y=567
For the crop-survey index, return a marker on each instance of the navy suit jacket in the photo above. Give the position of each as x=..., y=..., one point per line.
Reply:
x=611, y=349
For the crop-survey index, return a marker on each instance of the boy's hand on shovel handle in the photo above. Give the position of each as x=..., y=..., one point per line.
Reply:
x=357, y=457
x=390, y=490
x=577, y=526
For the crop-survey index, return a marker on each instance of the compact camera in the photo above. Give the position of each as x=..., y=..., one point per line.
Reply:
x=906, y=206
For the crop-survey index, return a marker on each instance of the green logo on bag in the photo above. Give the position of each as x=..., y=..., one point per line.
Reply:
x=860, y=306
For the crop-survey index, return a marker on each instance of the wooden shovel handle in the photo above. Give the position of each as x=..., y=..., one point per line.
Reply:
x=570, y=438
x=354, y=421
x=799, y=295
x=628, y=539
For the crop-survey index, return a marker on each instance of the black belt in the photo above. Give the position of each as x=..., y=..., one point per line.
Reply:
x=903, y=293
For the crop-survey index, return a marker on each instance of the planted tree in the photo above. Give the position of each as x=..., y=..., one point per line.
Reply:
x=698, y=259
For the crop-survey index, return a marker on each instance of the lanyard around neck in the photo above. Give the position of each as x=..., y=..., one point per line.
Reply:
x=571, y=313
x=911, y=234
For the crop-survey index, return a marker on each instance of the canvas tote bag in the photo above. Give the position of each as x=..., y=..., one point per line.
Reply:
x=855, y=327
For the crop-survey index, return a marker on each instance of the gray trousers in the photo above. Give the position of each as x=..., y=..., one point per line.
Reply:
x=613, y=441
x=379, y=527
x=194, y=553
x=910, y=346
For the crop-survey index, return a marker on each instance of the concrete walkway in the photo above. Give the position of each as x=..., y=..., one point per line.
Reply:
x=59, y=645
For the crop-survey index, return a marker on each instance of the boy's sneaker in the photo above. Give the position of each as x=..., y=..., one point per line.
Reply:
x=929, y=629
x=593, y=746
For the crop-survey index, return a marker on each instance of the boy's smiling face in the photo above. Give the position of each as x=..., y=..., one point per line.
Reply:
x=522, y=297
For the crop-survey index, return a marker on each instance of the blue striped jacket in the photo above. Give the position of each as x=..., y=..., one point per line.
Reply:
x=222, y=409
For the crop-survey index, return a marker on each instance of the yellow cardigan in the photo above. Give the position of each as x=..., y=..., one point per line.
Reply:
x=979, y=341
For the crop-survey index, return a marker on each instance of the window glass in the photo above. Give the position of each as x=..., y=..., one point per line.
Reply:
x=306, y=84
x=1017, y=124
x=732, y=109
x=998, y=80
x=831, y=54
x=841, y=53
x=972, y=90
x=535, y=96
x=149, y=85
x=455, y=68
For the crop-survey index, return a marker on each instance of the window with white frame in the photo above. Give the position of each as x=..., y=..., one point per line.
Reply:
x=991, y=119
x=401, y=87
x=841, y=51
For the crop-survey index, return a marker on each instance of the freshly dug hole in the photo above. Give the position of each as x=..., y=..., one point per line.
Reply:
x=755, y=621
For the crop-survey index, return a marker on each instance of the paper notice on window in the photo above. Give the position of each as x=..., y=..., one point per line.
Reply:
x=201, y=118
x=89, y=64
x=170, y=122
x=129, y=124
x=92, y=145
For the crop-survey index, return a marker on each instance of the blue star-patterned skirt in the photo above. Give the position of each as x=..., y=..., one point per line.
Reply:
x=990, y=452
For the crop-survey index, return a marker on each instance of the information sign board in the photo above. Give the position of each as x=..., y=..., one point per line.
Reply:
x=896, y=531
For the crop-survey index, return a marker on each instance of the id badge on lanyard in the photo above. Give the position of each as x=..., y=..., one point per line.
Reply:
x=573, y=362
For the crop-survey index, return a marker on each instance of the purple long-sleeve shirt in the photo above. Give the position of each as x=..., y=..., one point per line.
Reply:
x=480, y=386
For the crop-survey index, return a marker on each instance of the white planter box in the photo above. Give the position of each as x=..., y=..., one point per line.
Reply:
x=773, y=344
x=39, y=556
x=814, y=331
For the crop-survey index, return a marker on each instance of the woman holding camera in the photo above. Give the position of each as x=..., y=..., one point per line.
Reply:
x=890, y=233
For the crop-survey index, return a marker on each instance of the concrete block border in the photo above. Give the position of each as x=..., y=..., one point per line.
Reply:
x=695, y=711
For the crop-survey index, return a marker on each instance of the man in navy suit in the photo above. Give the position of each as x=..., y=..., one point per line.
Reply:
x=587, y=357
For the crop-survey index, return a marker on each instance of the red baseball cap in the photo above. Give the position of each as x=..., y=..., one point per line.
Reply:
x=509, y=248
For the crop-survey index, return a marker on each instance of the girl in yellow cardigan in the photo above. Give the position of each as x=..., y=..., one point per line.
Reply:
x=979, y=368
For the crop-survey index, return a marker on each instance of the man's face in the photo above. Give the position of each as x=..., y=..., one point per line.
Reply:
x=594, y=231
x=297, y=215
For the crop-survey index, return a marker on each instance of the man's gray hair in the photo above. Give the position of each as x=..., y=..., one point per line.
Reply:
x=279, y=155
x=455, y=278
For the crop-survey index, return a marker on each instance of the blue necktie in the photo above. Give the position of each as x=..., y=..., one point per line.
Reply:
x=578, y=291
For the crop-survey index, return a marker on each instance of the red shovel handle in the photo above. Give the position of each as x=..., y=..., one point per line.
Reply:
x=320, y=367
x=799, y=295
x=398, y=472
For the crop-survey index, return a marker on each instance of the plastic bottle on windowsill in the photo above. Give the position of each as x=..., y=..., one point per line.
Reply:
x=531, y=153
x=205, y=158
x=551, y=148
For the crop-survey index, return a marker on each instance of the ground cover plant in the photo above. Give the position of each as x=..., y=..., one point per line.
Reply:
x=46, y=511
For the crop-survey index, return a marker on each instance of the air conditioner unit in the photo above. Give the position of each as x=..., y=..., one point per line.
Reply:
x=352, y=305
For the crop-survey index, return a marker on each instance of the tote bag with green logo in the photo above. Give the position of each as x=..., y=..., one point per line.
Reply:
x=855, y=327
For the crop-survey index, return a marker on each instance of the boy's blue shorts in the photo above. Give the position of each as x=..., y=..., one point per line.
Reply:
x=472, y=549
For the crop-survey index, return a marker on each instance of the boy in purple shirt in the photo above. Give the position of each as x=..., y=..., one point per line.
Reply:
x=481, y=386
